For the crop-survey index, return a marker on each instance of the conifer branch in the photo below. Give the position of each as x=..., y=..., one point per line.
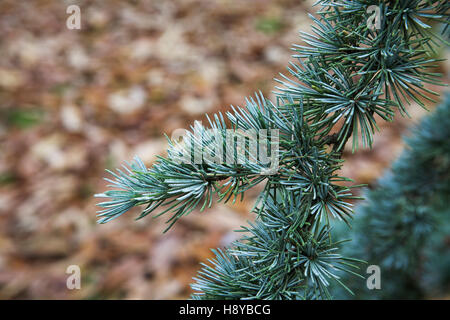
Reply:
x=346, y=77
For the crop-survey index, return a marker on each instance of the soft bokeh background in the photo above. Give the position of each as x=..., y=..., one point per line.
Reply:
x=74, y=102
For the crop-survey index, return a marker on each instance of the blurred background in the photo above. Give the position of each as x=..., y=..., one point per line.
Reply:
x=74, y=102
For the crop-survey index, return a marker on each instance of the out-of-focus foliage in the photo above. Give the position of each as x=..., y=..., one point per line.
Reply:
x=404, y=227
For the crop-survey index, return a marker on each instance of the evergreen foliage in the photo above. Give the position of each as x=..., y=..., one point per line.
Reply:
x=347, y=77
x=404, y=226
